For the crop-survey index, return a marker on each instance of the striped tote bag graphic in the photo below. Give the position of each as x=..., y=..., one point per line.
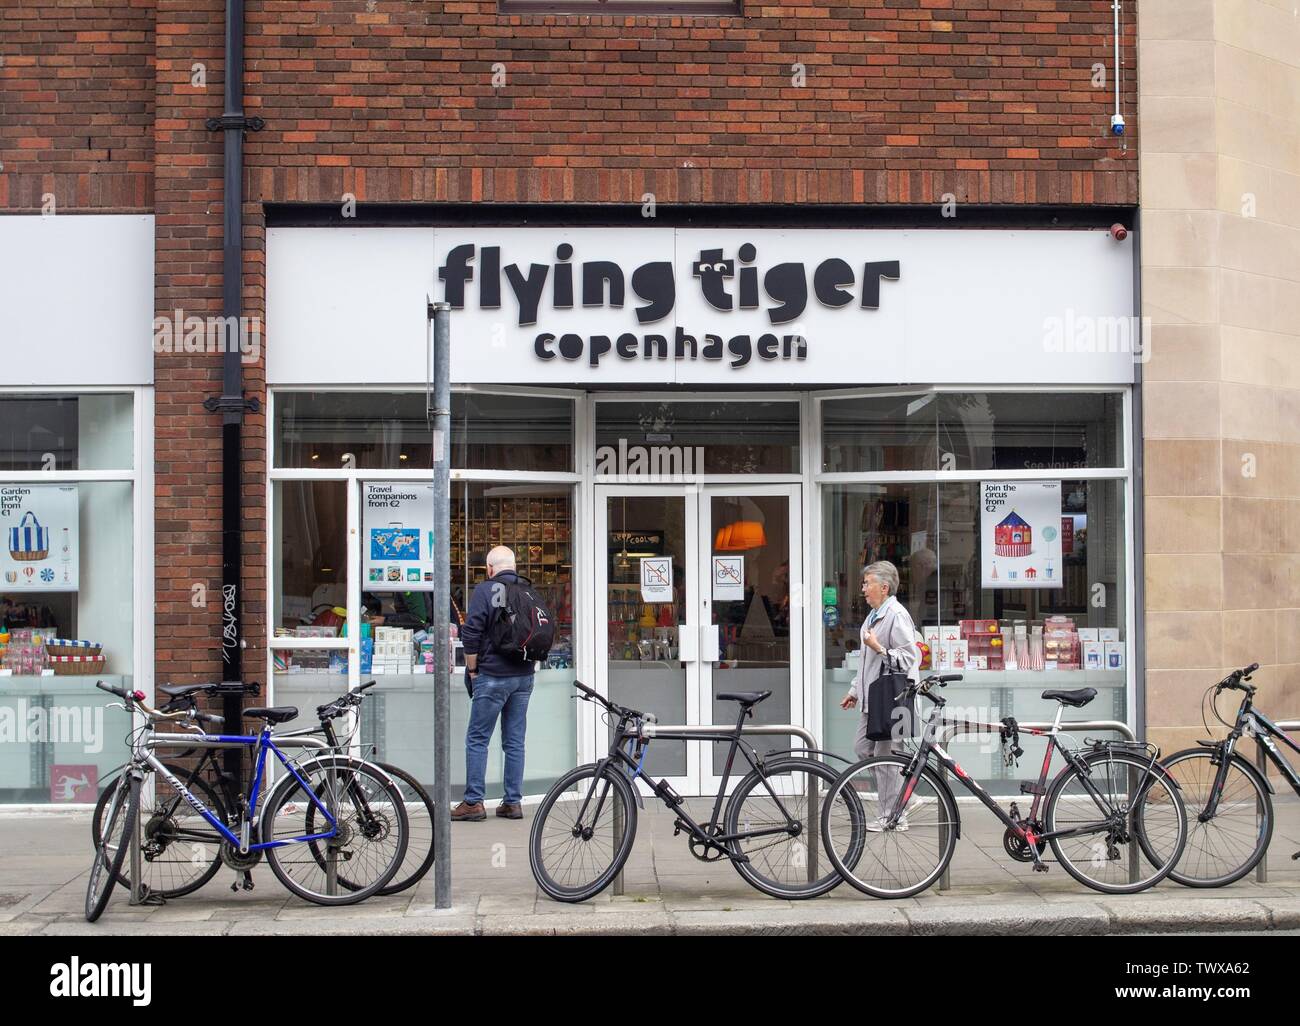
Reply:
x=29, y=542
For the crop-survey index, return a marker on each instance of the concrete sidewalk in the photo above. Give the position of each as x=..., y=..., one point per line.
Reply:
x=44, y=860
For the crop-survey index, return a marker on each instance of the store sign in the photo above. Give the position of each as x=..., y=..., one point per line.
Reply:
x=705, y=306
x=1020, y=534
x=39, y=530
x=397, y=536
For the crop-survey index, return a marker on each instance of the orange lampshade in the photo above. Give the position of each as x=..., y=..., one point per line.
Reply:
x=743, y=534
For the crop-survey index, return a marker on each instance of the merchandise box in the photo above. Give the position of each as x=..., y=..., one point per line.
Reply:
x=1094, y=655
x=1089, y=634
x=1115, y=656
x=1108, y=634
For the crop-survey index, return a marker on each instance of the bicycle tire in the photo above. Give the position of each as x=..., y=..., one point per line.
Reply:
x=109, y=858
x=153, y=828
x=789, y=851
x=539, y=846
x=1105, y=850
x=1199, y=840
x=351, y=889
x=419, y=864
x=931, y=811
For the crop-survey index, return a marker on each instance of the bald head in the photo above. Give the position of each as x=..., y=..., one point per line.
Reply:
x=500, y=558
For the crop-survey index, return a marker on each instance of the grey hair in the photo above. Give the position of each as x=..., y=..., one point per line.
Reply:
x=501, y=558
x=885, y=572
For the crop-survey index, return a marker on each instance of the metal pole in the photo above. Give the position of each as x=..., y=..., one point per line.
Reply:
x=441, y=416
x=137, y=887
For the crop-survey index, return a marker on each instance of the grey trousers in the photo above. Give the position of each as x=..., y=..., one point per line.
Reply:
x=888, y=781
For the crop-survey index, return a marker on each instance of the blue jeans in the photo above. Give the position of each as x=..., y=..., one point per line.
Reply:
x=506, y=697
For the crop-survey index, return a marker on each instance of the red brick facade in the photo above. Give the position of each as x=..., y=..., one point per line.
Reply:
x=874, y=102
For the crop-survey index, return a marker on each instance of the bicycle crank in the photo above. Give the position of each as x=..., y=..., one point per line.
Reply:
x=1018, y=848
x=707, y=851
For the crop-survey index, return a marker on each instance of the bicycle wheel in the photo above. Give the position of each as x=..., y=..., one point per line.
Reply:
x=1227, y=846
x=419, y=815
x=362, y=853
x=112, y=850
x=1131, y=813
x=782, y=807
x=179, y=850
x=582, y=833
x=899, y=861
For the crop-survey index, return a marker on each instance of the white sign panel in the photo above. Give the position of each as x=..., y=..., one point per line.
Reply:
x=1020, y=534
x=651, y=305
x=728, y=578
x=657, y=578
x=397, y=536
x=39, y=524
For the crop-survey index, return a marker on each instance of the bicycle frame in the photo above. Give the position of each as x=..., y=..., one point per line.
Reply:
x=261, y=744
x=1072, y=759
x=629, y=749
x=1250, y=721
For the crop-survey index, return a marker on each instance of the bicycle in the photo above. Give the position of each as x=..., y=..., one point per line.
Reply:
x=360, y=814
x=583, y=832
x=187, y=867
x=1229, y=800
x=1110, y=800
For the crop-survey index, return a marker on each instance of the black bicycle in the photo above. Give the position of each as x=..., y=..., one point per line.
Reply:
x=181, y=852
x=583, y=831
x=1229, y=803
x=1111, y=800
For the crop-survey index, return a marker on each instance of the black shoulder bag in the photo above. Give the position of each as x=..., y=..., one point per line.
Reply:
x=890, y=712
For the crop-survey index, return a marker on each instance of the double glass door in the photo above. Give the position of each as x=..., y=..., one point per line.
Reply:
x=695, y=585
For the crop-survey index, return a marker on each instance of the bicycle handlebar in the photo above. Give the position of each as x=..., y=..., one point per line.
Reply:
x=622, y=712
x=1233, y=680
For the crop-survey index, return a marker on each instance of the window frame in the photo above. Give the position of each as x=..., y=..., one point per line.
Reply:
x=815, y=512
x=141, y=478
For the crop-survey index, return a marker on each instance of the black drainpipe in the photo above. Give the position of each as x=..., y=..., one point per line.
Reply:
x=231, y=404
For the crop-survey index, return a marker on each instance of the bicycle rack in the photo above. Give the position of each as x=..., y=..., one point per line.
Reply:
x=190, y=741
x=761, y=729
x=1261, y=764
x=951, y=731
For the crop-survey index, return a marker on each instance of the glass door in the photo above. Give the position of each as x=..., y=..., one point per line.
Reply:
x=699, y=602
x=751, y=638
x=646, y=545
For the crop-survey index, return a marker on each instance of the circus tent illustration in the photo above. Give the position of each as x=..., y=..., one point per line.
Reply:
x=1012, y=536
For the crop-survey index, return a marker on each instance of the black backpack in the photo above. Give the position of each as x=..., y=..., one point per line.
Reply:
x=525, y=628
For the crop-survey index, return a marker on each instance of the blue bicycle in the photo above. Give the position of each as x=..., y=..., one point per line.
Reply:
x=334, y=829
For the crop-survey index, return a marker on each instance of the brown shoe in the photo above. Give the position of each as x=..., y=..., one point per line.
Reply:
x=471, y=813
x=507, y=811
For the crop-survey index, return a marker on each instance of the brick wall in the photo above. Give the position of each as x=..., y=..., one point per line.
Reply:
x=76, y=104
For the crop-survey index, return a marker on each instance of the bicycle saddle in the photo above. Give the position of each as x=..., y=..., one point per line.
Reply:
x=181, y=690
x=274, y=714
x=1077, y=698
x=744, y=697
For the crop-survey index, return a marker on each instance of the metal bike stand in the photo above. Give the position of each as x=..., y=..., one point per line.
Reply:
x=190, y=741
x=1261, y=764
x=945, y=881
x=760, y=729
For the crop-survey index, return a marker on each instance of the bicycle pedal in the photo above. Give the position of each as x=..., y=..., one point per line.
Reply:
x=248, y=881
x=1039, y=868
x=1295, y=856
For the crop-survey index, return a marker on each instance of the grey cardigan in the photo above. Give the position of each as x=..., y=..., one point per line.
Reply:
x=897, y=633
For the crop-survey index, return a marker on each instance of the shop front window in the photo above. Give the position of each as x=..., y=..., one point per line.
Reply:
x=389, y=430
x=389, y=635
x=685, y=439
x=67, y=598
x=1019, y=585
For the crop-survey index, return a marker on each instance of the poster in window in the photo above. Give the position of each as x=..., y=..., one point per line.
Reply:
x=40, y=538
x=1020, y=534
x=397, y=536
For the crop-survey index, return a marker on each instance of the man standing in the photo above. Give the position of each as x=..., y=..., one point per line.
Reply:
x=501, y=684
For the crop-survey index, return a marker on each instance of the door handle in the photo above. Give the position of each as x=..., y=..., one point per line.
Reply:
x=687, y=649
x=710, y=646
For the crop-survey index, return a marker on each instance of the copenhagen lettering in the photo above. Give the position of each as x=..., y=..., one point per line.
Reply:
x=726, y=283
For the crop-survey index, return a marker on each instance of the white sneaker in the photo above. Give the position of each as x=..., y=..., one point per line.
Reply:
x=880, y=824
